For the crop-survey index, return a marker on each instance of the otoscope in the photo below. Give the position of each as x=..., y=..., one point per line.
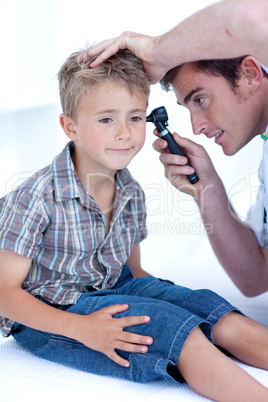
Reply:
x=159, y=117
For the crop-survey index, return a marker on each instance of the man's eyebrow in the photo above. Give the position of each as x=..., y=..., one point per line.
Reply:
x=190, y=94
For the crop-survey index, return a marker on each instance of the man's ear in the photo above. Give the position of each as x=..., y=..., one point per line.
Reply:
x=252, y=72
x=68, y=126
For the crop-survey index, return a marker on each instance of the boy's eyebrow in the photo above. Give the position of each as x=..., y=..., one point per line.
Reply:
x=138, y=110
x=115, y=111
x=105, y=111
x=190, y=94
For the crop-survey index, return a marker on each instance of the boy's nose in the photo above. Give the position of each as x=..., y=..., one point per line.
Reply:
x=123, y=132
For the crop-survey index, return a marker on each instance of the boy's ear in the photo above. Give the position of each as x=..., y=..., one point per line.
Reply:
x=68, y=126
x=252, y=72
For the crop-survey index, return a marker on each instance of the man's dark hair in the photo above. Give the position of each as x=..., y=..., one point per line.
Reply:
x=228, y=68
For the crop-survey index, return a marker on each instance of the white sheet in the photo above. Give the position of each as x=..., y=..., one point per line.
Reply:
x=24, y=375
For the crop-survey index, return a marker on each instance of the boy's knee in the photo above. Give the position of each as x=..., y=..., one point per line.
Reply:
x=227, y=328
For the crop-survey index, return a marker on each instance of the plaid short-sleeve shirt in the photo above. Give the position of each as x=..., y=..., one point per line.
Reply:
x=52, y=219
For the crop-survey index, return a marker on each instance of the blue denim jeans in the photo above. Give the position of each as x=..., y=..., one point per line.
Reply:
x=174, y=310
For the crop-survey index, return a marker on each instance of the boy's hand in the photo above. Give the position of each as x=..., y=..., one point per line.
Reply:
x=104, y=333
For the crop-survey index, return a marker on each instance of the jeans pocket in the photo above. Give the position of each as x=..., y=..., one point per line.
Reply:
x=166, y=280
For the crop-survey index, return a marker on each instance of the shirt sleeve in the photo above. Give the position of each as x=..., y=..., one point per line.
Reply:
x=142, y=230
x=257, y=215
x=23, y=219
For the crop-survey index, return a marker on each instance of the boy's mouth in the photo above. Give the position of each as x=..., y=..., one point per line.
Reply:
x=120, y=150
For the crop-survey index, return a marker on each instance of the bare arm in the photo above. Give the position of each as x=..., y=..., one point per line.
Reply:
x=134, y=262
x=226, y=29
x=233, y=242
x=98, y=331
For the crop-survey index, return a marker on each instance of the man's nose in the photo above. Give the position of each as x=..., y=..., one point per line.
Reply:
x=199, y=124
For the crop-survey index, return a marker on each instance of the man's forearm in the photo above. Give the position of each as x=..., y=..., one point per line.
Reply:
x=233, y=242
x=227, y=29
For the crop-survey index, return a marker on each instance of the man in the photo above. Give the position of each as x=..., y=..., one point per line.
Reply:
x=228, y=102
x=226, y=29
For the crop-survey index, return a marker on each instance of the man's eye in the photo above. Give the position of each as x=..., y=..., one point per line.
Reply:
x=105, y=120
x=200, y=101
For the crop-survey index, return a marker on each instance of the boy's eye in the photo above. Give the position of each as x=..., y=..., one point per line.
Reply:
x=135, y=118
x=105, y=120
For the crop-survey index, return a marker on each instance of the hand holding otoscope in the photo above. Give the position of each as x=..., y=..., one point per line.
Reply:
x=159, y=117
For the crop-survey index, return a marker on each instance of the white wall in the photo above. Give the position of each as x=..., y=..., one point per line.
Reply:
x=36, y=37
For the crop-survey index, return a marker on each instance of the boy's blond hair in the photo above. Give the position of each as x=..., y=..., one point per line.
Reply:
x=76, y=78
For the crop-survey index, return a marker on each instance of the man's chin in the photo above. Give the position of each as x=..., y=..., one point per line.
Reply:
x=231, y=150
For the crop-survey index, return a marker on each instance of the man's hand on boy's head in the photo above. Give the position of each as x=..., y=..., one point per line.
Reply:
x=101, y=332
x=141, y=45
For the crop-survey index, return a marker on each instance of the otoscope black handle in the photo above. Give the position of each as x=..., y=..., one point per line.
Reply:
x=173, y=146
x=175, y=149
x=159, y=117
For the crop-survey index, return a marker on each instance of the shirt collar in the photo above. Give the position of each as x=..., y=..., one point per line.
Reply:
x=63, y=169
x=68, y=185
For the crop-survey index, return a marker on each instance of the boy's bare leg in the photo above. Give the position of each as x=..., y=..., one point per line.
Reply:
x=244, y=338
x=214, y=375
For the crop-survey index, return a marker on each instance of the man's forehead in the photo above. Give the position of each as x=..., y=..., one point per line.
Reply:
x=188, y=82
x=185, y=90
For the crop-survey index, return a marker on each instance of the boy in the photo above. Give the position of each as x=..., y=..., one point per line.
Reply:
x=69, y=239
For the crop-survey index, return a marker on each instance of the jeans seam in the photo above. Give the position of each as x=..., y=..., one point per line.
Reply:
x=144, y=287
x=215, y=317
x=93, y=304
x=148, y=355
x=178, y=332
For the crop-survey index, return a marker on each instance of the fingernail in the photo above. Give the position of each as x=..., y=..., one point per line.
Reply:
x=146, y=319
x=144, y=349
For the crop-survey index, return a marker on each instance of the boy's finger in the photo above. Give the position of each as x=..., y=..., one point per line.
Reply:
x=132, y=320
x=115, y=308
x=131, y=338
x=117, y=359
x=131, y=347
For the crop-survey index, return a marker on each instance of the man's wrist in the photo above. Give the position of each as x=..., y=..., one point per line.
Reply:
x=213, y=194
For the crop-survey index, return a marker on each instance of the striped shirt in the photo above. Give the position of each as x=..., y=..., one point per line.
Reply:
x=52, y=219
